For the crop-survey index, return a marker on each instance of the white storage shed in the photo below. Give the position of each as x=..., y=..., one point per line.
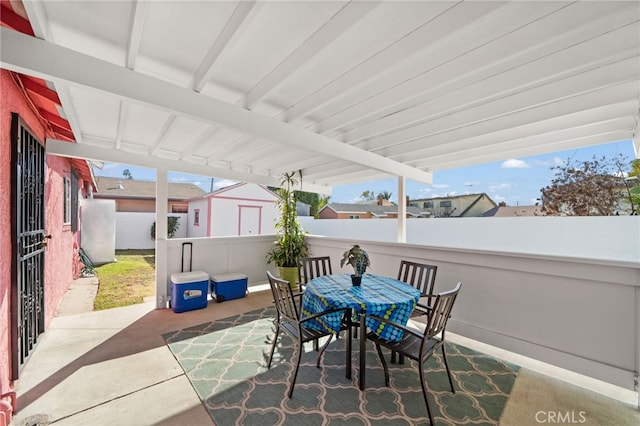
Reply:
x=240, y=209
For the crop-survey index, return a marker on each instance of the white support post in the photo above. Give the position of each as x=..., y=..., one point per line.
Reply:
x=636, y=378
x=402, y=210
x=162, y=281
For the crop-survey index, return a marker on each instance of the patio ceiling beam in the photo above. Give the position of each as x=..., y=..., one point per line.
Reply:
x=139, y=10
x=90, y=152
x=476, y=156
x=452, y=15
x=525, y=66
x=342, y=21
x=41, y=29
x=231, y=31
x=47, y=60
x=536, y=144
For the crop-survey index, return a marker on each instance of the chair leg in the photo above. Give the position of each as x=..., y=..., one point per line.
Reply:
x=384, y=365
x=315, y=345
x=295, y=372
x=424, y=393
x=324, y=348
x=273, y=345
x=393, y=357
x=446, y=364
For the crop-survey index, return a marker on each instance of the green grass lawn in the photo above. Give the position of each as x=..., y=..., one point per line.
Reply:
x=127, y=281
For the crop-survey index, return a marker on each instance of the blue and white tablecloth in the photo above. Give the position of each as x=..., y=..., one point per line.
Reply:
x=380, y=296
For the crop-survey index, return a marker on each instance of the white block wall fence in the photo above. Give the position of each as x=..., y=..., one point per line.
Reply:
x=133, y=230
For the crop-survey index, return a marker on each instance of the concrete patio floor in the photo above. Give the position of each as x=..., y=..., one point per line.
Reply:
x=112, y=367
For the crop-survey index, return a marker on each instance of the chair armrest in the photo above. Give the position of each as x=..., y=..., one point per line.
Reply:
x=423, y=307
x=395, y=324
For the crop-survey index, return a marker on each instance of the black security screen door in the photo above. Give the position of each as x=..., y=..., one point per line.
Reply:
x=28, y=242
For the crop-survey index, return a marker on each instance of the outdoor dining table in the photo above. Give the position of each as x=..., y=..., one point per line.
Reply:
x=377, y=295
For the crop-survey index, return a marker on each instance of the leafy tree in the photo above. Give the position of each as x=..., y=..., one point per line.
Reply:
x=635, y=168
x=316, y=201
x=172, y=227
x=126, y=173
x=386, y=195
x=368, y=195
x=324, y=200
x=634, y=190
x=588, y=188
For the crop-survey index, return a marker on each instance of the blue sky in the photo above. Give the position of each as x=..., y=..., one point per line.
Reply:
x=516, y=181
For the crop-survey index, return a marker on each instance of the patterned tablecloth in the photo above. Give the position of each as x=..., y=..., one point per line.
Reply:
x=380, y=296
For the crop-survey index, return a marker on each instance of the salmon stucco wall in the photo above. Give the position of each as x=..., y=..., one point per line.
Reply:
x=59, y=254
x=61, y=250
x=11, y=100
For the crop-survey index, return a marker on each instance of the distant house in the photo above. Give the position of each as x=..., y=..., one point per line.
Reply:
x=240, y=209
x=366, y=211
x=133, y=195
x=502, y=210
x=469, y=205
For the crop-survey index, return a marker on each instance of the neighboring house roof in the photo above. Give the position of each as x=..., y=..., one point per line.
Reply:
x=478, y=198
x=453, y=197
x=471, y=201
x=511, y=211
x=375, y=210
x=109, y=187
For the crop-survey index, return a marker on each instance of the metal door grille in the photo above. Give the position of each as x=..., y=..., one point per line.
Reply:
x=28, y=237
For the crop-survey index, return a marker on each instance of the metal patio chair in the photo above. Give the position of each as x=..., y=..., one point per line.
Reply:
x=288, y=320
x=421, y=346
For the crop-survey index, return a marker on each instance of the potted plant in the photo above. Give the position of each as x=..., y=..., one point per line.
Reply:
x=359, y=259
x=291, y=243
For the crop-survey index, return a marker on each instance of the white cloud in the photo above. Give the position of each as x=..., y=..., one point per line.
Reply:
x=217, y=184
x=499, y=186
x=515, y=164
x=552, y=162
x=110, y=166
x=446, y=194
x=440, y=185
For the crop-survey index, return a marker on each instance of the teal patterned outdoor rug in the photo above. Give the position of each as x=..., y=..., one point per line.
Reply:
x=226, y=362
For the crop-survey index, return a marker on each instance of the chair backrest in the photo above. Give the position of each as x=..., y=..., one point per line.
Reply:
x=420, y=276
x=283, y=298
x=440, y=312
x=312, y=267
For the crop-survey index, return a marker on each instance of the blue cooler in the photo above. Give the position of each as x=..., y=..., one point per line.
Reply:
x=228, y=287
x=189, y=290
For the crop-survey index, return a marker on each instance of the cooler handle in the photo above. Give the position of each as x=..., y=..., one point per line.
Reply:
x=190, y=257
